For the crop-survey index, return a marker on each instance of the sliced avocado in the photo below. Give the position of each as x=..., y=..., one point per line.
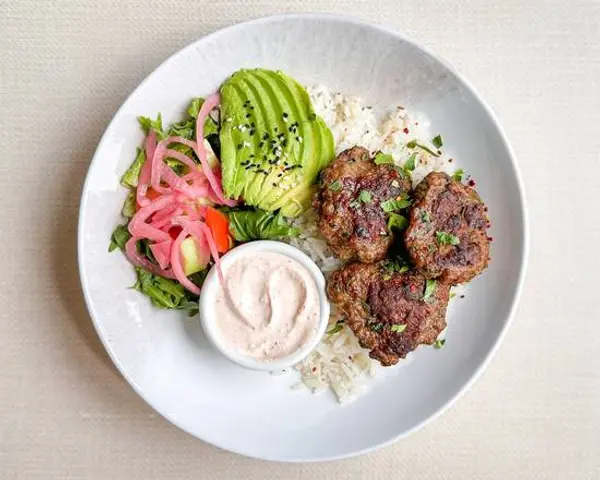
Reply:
x=272, y=144
x=193, y=262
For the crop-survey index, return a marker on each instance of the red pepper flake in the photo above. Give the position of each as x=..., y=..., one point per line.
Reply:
x=471, y=183
x=485, y=209
x=314, y=369
x=413, y=288
x=490, y=239
x=416, y=123
x=405, y=130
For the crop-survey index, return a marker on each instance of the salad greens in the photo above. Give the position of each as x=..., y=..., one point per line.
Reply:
x=119, y=238
x=246, y=225
x=166, y=293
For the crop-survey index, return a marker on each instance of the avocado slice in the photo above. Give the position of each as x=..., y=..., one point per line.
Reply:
x=273, y=145
x=192, y=261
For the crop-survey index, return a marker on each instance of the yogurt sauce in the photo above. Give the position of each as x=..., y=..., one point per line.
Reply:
x=270, y=307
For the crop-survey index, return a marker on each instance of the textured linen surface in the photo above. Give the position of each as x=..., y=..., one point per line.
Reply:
x=65, y=67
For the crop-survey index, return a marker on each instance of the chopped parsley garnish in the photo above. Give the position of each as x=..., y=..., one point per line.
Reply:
x=365, y=196
x=425, y=217
x=339, y=325
x=398, y=328
x=410, y=163
x=437, y=142
x=390, y=266
x=382, y=158
x=392, y=205
x=458, y=175
x=439, y=343
x=430, y=287
x=397, y=222
x=415, y=144
x=444, y=238
x=376, y=327
x=354, y=204
x=335, y=186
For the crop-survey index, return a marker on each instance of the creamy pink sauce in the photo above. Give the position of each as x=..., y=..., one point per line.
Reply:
x=270, y=307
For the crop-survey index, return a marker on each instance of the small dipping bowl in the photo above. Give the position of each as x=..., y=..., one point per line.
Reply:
x=211, y=286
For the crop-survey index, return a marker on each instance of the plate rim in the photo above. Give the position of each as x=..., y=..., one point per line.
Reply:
x=524, y=232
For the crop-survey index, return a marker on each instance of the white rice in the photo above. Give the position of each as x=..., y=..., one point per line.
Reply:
x=339, y=363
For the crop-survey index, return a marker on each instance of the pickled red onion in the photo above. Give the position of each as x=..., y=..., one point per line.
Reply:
x=211, y=102
x=137, y=260
x=144, y=179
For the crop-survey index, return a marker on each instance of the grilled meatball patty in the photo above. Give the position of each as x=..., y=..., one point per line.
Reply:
x=446, y=237
x=379, y=301
x=348, y=205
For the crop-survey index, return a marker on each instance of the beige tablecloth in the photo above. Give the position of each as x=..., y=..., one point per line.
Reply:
x=65, y=67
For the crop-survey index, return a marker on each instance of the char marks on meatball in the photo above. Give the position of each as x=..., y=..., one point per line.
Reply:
x=446, y=237
x=391, y=313
x=348, y=205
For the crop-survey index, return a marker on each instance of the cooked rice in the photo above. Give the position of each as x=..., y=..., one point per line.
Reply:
x=338, y=362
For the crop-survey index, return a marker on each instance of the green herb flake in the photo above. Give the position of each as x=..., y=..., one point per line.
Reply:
x=410, y=163
x=335, y=186
x=393, y=205
x=437, y=142
x=444, y=238
x=398, y=328
x=365, y=196
x=425, y=217
x=404, y=269
x=339, y=325
x=438, y=344
x=458, y=175
x=383, y=158
x=376, y=327
x=397, y=222
x=430, y=287
x=415, y=144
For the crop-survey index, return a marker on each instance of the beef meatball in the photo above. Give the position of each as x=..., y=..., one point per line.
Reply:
x=349, y=205
x=446, y=237
x=391, y=313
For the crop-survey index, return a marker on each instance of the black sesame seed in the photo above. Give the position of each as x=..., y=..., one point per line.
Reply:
x=251, y=132
x=260, y=145
x=240, y=145
x=265, y=136
x=248, y=115
x=247, y=125
x=280, y=174
x=297, y=139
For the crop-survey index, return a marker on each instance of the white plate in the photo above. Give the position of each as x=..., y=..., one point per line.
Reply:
x=165, y=356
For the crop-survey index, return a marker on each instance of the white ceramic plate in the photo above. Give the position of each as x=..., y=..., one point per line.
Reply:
x=165, y=356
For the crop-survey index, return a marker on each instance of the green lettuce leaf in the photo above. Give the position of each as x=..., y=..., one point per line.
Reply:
x=128, y=210
x=246, y=225
x=131, y=177
x=166, y=293
x=119, y=238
